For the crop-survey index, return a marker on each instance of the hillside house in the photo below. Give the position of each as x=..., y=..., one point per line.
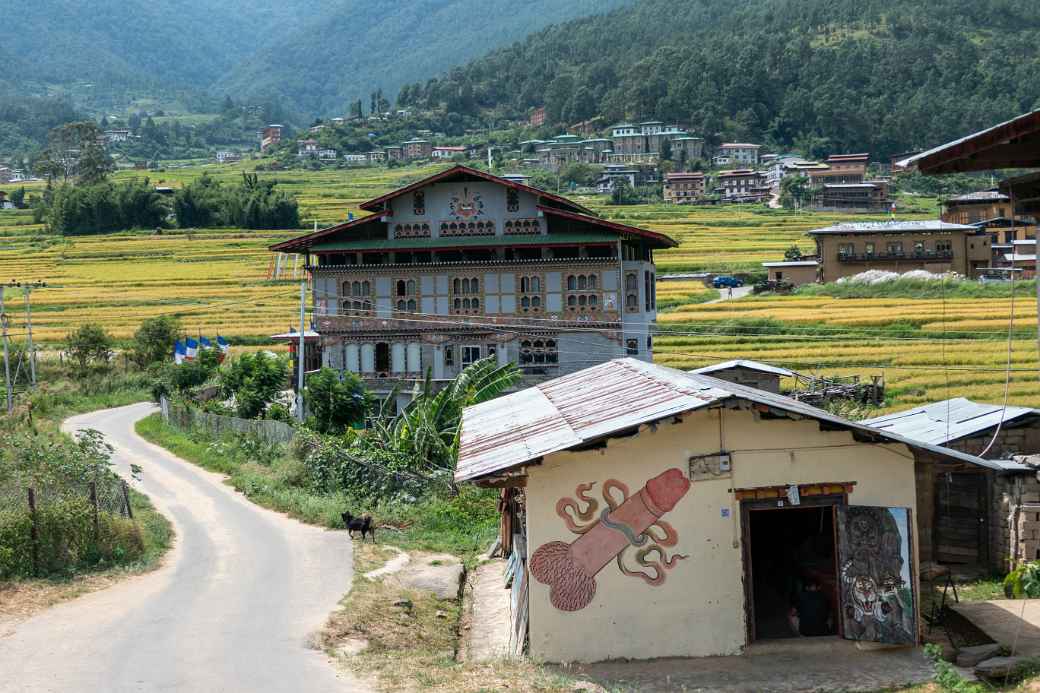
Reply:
x=270, y=136
x=742, y=185
x=227, y=157
x=417, y=149
x=307, y=149
x=447, y=152
x=900, y=246
x=681, y=188
x=463, y=265
x=357, y=159
x=975, y=207
x=328, y=154
x=795, y=272
x=395, y=153
x=117, y=136
x=841, y=169
x=865, y=197
x=654, y=513
x=376, y=156
x=737, y=154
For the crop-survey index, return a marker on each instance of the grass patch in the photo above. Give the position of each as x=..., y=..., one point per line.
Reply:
x=464, y=525
x=919, y=288
x=413, y=640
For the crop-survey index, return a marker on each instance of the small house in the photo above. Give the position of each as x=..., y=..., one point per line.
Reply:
x=795, y=272
x=761, y=376
x=654, y=513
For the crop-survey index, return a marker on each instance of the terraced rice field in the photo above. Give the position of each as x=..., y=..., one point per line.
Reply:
x=217, y=281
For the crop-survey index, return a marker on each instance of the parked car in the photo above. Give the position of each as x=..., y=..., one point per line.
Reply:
x=726, y=282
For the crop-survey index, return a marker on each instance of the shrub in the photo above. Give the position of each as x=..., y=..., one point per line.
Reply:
x=89, y=345
x=154, y=340
x=254, y=380
x=335, y=401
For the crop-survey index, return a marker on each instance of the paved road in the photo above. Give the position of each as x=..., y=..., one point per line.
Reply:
x=230, y=610
x=738, y=292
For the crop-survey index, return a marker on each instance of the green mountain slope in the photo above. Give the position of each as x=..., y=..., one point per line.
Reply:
x=365, y=45
x=880, y=75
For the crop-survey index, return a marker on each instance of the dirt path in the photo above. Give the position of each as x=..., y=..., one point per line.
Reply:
x=232, y=608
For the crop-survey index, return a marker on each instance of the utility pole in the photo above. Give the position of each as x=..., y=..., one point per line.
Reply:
x=27, y=288
x=7, y=363
x=300, y=352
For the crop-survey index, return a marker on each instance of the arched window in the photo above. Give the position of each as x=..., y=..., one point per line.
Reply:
x=536, y=301
x=465, y=304
x=512, y=200
x=426, y=229
x=458, y=304
x=592, y=281
x=401, y=305
x=411, y=287
x=476, y=304
x=444, y=227
x=536, y=285
x=366, y=288
x=572, y=300
x=632, y=347
x=525, y=302
x=583, y=282
x=583, y=300
x=631, y=282
x=419, y=203
x=457, y=285
x=401, y=288
x=411, y=305
x=632, y=302
x=475, y=286
x=572, y=282
x=593, y=302
x=465, y=286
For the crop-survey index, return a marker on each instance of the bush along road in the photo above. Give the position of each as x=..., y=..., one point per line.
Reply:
x=234, y=608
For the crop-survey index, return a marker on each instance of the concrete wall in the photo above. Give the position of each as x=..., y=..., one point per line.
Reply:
x=699, y=609
x=438, y=205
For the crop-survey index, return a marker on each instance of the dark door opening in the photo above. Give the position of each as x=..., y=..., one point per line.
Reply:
x=382, y=357
x=793, y=573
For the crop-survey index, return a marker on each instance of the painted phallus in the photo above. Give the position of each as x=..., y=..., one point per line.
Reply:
x=633, y=522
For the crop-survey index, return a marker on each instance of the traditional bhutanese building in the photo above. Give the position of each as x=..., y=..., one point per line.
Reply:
x=464, y=265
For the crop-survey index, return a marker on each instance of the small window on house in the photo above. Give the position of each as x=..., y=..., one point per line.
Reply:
x=632, y=347
x=918, y=247
x=449, y=355
x=470, y=354
x=492, y=349
x=512, y=200
x=419, y=203
x=894, y=247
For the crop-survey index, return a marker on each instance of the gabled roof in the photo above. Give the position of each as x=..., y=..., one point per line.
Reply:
x=663, y=240
x=460, y=172
x=615, y=397
x=942, y=422
x=980, y=196
x=1012, y=144
x=747, y=364
x=307, y=240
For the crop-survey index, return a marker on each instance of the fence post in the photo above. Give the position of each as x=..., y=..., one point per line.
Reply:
x=94, y=504
x=34, y=533
x=126, y=499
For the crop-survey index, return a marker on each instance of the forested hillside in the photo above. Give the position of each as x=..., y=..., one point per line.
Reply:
x=314, y=56
x=883, y=75
x=366, y=45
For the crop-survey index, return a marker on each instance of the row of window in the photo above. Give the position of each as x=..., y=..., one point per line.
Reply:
x=632, y=291
x=896, y=247
x=412, y=231
x=522, y=226
x=471, y=228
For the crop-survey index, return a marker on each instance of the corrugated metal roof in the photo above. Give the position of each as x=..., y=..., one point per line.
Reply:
x=745, y=363
x=892, y=227
x=792, y=263
x=928, y=424
x=980, y=196
x=610, y=398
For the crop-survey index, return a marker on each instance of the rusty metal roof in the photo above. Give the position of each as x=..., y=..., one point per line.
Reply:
x=940, y=423
x=609, y=399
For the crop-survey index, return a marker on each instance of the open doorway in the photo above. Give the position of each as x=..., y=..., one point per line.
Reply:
x=792, y=572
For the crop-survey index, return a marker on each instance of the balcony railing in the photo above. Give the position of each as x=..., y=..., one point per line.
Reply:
x=895, y=257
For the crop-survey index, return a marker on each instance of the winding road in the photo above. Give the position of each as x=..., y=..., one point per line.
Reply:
x=231, y=609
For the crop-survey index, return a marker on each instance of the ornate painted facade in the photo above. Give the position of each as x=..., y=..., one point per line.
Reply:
x=465, y=265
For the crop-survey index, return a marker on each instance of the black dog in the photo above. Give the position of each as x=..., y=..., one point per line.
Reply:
x=361, y=524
